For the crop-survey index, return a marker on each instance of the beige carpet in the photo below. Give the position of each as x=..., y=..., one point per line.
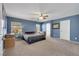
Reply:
x=49, y=47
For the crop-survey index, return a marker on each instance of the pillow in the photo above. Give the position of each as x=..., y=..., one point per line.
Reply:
x=29, y=32
x=41, y=32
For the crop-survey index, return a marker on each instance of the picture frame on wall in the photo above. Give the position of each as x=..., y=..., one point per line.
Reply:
x=55, y=26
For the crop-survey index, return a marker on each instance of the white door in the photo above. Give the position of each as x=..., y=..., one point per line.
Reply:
x=1, y=41
x=37, y=27
x=48, y=30
x=65, y=30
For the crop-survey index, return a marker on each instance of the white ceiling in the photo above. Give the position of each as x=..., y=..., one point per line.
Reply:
x=54, y=10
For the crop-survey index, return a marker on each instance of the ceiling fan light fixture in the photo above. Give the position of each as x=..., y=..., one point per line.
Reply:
x=42, y=17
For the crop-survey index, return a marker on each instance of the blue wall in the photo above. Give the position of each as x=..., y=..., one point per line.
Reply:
x=55, y=32
x=74, y=27
x=43, y=27
x=31, y=26
x=26, y=25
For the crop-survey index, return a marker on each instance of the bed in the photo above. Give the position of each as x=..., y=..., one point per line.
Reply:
x=33, y=37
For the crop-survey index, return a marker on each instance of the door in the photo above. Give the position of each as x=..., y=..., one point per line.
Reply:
x=65, y=30
x=48, y=30
x=1, y=35
x=37, y=27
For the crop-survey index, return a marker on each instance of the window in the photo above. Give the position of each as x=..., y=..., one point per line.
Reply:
x=16, y=27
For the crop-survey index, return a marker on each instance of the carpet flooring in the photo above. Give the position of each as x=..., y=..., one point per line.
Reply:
x=48, y=47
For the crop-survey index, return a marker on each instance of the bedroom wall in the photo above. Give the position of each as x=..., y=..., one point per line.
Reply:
x=26, y=25
x=43, y=27
x=74, y=27
x=31, y=26
x=74, y=34
x=55, y=32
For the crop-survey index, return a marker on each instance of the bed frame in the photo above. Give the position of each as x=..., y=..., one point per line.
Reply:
x=34, y=39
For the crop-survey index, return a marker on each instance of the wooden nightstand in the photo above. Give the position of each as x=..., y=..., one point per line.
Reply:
x=9, y=41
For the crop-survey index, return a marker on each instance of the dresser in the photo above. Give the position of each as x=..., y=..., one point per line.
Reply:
x=9, y=41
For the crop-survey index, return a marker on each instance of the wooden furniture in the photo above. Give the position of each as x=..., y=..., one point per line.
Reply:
x=9, y=41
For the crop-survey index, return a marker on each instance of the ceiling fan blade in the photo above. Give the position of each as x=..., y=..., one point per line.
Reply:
x=34, y=14
x=45, y=15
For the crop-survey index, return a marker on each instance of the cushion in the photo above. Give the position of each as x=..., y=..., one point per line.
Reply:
x=29, y=32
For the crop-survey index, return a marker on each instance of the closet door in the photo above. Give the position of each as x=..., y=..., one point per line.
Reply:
x=65, y=30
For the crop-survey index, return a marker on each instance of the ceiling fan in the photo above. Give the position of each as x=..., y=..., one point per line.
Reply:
x=43, y=16
x=40, y=15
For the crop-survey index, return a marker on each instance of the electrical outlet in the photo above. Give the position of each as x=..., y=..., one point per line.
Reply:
x=75, y=38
